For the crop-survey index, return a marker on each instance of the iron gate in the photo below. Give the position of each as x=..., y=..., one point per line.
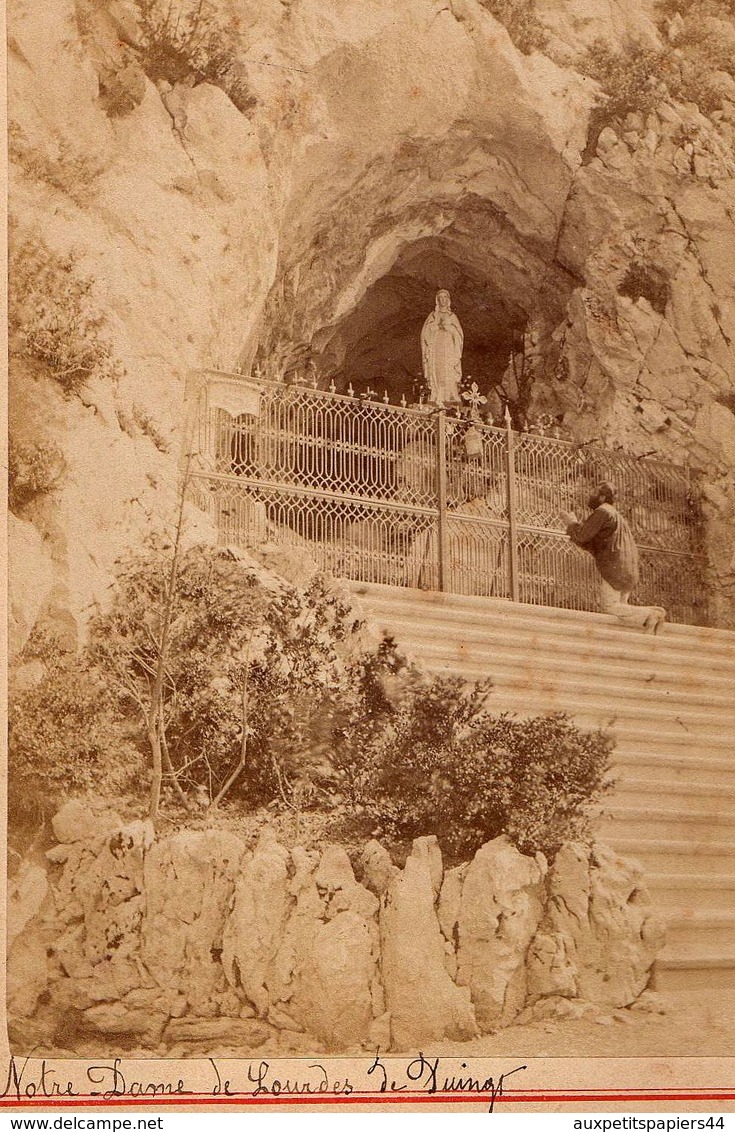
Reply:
x=410, y=496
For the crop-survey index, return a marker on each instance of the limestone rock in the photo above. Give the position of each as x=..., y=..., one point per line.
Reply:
x=27, y=891
x=427, y=849
x=27, y=971
x=550, y=966
x=333, y=998
x=377, y=868
x=189, y=883
x=238, y=1032
x=115, y=1018
x=336, y=882
x=255, y=927
x=77, y=821
x=450, y=901
x=599, y=938
x=424, y=1003
x=500, y=910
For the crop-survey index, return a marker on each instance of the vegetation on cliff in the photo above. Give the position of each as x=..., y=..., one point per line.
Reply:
x=272, y=696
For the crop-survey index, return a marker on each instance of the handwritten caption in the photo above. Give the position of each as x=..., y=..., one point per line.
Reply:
x=33, y=1080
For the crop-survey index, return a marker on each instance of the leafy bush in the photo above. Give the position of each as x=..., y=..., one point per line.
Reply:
x=634, y=79
x=65, y=734
x=705, y=49
x=191, y=43
x=33, y=470
x=697, y=9
x=520, y=20
x=270, y=694
x=644, y=280
x=440, y=763
x=60, y=164
x=54, y=319
x=639, y=78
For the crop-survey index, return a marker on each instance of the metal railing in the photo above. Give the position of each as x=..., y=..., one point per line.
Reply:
x=413, y=497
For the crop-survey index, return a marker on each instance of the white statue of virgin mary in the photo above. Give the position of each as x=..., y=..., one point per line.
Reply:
x=441, y=351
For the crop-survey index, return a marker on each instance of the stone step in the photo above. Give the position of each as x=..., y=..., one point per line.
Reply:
x=712, y=932
x=669, y=720
x=530, y=660
x=622, y=686
x=670, y=855
x=672, y=794
x=669, y=769
x=685, y=893
x=520, y=618
x=707, y=827
x=477, y=629
x=690, y=971
x=668, y=701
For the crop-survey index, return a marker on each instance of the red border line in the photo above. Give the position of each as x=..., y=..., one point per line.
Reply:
x=90, y=1101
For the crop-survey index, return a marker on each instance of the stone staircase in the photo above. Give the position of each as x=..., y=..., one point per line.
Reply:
x=670, y=702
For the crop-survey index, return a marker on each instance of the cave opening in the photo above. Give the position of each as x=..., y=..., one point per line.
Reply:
x=348, y=313
x=376, y=346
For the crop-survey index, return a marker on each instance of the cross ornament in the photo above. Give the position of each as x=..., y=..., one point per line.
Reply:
x=474, y=399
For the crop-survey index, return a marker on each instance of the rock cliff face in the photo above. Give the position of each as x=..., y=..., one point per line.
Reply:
x=194, y=944
x=375, y=153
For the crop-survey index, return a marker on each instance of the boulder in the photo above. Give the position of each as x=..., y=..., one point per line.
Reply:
x=238, y=1032
x=27, y=891
x=424, y=1003
x=117, y=1019
x=189, y=883
x=255, y=927
x=333, y=993
x=599, y=938
x=377, y=868
x=27, y=971
x=500, y=909
x=78, y=821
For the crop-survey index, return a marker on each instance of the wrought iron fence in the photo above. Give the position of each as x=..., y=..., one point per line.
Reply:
x=413, y=497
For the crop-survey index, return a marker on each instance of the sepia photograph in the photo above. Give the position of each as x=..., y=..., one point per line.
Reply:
x=371, y=545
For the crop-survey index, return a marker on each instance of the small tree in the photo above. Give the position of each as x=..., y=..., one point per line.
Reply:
x=635, y=78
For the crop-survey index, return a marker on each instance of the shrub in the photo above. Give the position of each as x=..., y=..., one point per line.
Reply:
x=520, y=20
x=149, y=428
x=440, y=763
x=66, y=734
x=268, y=693
x=697, y=9
x=705, y=48
x=58, y=164
x=54, y=319
x=33, y=470
x=191, y=43
x=639, y=78
x=634, y=79
x=643, y=280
